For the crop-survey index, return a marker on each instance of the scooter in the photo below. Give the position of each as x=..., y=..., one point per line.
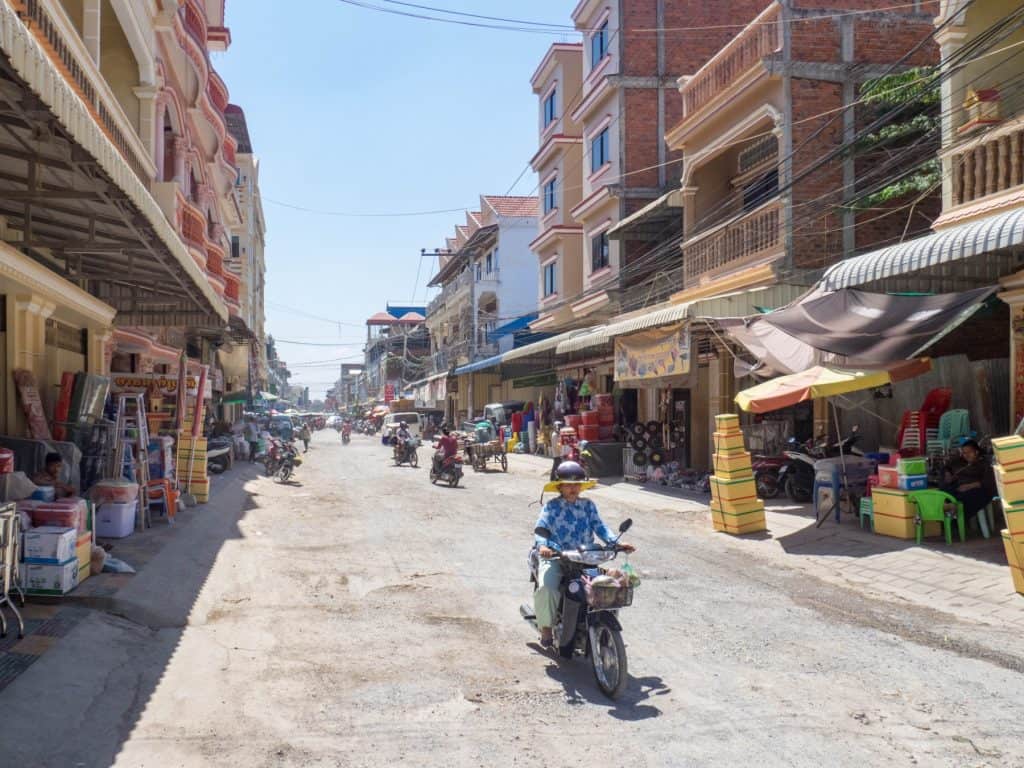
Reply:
x=797, y=475
x=588, y=611
x=281, y=460
x=449, y=472
x=766, y=475
x=346, y=436
x=405, y=452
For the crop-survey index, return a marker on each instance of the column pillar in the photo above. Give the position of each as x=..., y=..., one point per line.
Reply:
x=150, y=130
x=26, y=347
x=180, y=156
x=97, y=359
x=91, y=23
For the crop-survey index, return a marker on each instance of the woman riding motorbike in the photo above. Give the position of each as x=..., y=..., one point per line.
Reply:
x=572, y=523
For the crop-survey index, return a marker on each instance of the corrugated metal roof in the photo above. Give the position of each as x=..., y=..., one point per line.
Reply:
x=748, y=302
x=594, y=338
x=636, y=322
x=545, y=345
x=480, y=365
x=1004, y=230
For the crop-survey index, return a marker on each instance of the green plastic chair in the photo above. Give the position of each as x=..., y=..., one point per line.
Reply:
x=867, y=509
x=931, y=507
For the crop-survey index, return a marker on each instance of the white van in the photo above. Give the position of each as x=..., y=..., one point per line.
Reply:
x=412, y=420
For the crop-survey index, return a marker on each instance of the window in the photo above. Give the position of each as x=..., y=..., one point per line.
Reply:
x=598, y=45
x=490, y=263
x=761, y=190
x=479, y=271
x=599, y=151
x=550, y=202
x=234, y=246
x=549, y=108
x=598, y=252
x=550, y=284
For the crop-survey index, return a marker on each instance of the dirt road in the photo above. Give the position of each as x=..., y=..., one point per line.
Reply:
x=362, y=617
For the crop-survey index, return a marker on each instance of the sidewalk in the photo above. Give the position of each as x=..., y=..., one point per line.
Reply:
x=47, y=619
x=968, y=580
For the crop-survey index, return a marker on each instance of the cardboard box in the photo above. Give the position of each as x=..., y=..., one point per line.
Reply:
x=49, y=545
x=51, y=579
x=1015, y=558
x=730, y=462
x=894, y=514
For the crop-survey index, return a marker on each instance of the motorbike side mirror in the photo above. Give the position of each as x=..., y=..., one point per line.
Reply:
x=543, y=532
x=625, y=525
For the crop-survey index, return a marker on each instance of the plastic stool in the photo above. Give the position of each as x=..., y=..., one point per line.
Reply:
x=867, y=509
x=160, y=491
x=987, y=520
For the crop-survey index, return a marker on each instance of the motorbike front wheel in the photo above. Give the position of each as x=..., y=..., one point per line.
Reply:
x=767, y=484
x=795, y=492
x=284, y=473
x=608, y=656
x=414, y=459
x=453, y=480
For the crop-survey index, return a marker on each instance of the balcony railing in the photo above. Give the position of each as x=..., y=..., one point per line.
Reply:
x=231, y=288
x=195, y=21
x=217, y=91
x=55, y=31
x=733, y=244
x=193, y=224
x=214, y=259
x=758, y=39
x=988, y=165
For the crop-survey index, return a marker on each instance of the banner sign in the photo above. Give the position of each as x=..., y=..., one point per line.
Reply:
x=32, y=405
x=160, y=385
x=653, y=354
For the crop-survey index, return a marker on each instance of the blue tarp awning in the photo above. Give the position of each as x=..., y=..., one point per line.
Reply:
x=480, y=365
x=510, y=327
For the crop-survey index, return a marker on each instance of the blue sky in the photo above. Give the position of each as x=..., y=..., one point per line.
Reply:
x=353, y=110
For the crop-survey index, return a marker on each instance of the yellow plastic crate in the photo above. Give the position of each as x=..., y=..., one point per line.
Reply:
x=723, y=489
x=730, y=462
x=727, y=422
x=1010, y=484
x=894, y=514
x=728, y=442
x=742, y=518
x=1009, y=451
x=1015, y=520
x=1015, y=558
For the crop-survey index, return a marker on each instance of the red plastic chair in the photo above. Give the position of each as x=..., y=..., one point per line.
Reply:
x=936, y=403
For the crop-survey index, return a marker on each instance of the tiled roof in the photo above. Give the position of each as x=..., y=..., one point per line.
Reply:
x=512, y=205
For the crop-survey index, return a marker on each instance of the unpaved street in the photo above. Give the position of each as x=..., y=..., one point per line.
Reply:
x=362, y=617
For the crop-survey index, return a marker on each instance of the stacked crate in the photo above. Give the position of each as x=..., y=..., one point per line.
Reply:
x=195, y=480
x=735, y=507
x=1009, y=471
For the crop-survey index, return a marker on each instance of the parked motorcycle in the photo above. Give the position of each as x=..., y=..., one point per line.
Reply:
x=588, y=622
x=346, y=436
x=281, y=459
x=797, y=475
x=766, y=475
x=404, y=452
x=449, y=472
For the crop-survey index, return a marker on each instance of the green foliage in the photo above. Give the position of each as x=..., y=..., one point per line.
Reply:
x=915, y=96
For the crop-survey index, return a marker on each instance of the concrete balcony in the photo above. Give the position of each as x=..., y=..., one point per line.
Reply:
x=55, y=31
x=987, y=171
x=195, y=22
x=217, y=91
x=754, y=237
x=739, y=58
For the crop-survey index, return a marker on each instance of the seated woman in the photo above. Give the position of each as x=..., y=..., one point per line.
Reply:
x=969, y=477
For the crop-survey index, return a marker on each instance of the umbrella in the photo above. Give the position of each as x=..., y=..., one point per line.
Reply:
x=179, y=393
x=824, y=381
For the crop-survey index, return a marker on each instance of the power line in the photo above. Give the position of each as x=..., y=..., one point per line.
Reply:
x=361, y=215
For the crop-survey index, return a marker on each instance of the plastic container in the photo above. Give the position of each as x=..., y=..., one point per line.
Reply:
x=115, y=491
x=6, y=461
x=573, y=420
x=913, y=482
x=115, y=521
x=44, y=493
x=888, y=477
x=912, y=467
x=590, y=432
x=589, y=418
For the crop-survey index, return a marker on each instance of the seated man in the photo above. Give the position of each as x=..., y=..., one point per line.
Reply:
x=969, y=478
x=50, y=475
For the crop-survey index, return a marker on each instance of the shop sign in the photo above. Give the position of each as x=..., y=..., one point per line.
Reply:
x=548, y=379
x=389, y=393
x=653, y=354
x=157, y=384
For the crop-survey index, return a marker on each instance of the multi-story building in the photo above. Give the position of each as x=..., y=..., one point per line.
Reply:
x=246, y=258
x=124, y=199
x=397, y=350
x=487, y=279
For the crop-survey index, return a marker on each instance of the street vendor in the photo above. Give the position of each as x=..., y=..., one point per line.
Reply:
x=969, y=478
x=50, y=475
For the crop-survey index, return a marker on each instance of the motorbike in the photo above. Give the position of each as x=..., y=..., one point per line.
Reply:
x=404, y=452
x=449, y=472
x=588, y=623
x=797, y=474
x=281, y=460
x=766, y=475
x=346, y=436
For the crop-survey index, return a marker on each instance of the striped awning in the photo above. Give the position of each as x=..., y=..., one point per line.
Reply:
x=480, y=365
x=1004, y=230
x=633, y=323
x=545, y=345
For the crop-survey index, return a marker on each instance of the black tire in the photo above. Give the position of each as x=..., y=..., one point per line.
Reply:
x=639, y=444
x=653, y=427
x=767, y=484
x=414, y=460
x=504, y=463
x=657, y=458
x=638, y=429
x=640, y=459
x=453, y=481
x=284, y=473
x=794, y=493
x=608, y=661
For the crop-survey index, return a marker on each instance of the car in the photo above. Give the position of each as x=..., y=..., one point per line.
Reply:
x=412, y=420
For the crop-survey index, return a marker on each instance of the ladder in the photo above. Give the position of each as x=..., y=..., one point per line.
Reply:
x=131, y=449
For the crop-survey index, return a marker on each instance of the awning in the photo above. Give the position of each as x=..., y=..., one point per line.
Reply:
x=748, y=302
x=511, y=327
x=269, y=397
x=480, y=365
x=1005, y=230
x=824, y=381
x=546, y=345
x=632, y=323
x=657, y=212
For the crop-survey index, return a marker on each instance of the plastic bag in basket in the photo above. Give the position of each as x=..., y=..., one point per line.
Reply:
x=632, y=577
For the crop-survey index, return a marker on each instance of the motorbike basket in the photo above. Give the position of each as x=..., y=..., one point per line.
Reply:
x=608, y=596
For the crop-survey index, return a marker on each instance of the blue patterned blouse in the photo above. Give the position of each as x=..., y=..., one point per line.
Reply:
x=571, y=525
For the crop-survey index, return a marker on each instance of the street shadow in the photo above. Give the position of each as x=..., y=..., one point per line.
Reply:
x=142, y=616
x=580, y=687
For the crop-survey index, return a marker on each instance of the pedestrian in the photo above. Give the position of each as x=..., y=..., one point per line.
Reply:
x=252, y=435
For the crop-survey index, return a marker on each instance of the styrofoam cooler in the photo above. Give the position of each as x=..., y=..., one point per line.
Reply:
x=115, y=521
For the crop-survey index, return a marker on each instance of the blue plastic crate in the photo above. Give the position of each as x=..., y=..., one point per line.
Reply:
x=913, y=482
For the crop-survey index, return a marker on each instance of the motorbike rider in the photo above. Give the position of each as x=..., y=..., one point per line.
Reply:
x=572, y=523
x=402, y=438
x=346, y=429
x=447, y=446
